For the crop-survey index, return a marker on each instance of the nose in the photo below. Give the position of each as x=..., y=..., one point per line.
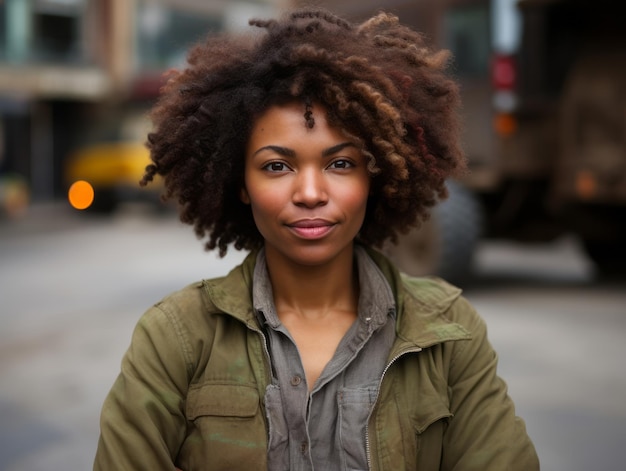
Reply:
x=310, y=188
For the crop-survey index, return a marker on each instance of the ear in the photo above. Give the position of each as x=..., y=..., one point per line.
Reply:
x=244, y=196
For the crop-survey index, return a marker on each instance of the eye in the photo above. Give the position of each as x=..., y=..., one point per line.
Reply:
x=341, y=164
x=276, y=167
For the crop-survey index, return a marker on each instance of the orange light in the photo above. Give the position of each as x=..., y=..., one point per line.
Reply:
x=586, y=185
x=505, y=124
x=80, y=194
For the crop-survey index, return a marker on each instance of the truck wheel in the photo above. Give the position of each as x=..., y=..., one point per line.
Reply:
x=609, y=257
x=445, y=244
x=105, y=202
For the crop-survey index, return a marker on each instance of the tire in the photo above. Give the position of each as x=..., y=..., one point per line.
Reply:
x=105, y=202
x=609, y=257
x=444, y=245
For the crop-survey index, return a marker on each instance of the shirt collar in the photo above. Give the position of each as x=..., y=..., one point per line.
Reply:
x=376, y=300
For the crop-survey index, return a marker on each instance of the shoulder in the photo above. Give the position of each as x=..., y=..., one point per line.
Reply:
x=181, y=326
x=191, y=299
x=200, y=304
x=439, y=309
x=429, y=291
x=187, y=302
x=177, y=317
x=436, y=293
x=192, y=307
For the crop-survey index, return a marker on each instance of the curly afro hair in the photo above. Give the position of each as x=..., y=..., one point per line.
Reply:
x=379, y=82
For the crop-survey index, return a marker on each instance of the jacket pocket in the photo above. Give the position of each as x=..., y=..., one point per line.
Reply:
x=429, y=429
x=226, y=429
x=422, y=423
x=222, y=400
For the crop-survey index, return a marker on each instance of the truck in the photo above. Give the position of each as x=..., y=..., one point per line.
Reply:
x=545, y=133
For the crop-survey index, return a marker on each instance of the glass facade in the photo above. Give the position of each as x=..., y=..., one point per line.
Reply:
x=467, y=35
x=42, y=31
x=163, y=33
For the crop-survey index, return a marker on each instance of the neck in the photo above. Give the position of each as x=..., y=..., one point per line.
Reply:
x=313, y=291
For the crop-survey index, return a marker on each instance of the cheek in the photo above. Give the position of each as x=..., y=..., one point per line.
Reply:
x=256, y=193
x=355, y=197
x=353, y=206
x=266, y=212
x=265, y=203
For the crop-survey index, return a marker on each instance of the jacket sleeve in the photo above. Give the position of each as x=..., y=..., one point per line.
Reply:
x=484, y=432
x=142, y=421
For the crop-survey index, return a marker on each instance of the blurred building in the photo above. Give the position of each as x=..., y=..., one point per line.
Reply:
x=62, y=62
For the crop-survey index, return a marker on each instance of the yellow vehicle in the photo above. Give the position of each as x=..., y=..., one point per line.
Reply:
x=112, y=164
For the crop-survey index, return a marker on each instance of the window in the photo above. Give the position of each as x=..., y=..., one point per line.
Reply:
x=55, y=38
x=466, y=34
x=164, y=34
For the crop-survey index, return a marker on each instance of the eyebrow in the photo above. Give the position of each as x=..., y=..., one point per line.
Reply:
x=287, y=152
x=338, y=148
x=284, y=151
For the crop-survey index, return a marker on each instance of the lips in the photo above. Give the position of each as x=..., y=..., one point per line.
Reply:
x=311, y=228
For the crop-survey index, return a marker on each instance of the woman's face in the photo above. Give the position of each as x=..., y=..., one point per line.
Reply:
x=307, y=188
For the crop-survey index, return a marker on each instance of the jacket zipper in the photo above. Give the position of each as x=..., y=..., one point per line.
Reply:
x=380, y=383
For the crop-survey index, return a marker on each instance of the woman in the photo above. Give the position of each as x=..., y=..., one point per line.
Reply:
x=309, y=147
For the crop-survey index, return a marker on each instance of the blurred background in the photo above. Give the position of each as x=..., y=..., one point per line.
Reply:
x=535, y=233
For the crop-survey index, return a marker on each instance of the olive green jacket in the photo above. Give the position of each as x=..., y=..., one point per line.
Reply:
x=190, y=392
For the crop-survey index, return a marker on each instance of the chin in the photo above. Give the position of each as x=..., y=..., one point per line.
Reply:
x=315, y=254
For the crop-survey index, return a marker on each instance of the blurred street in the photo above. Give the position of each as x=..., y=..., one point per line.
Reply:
x=72, y=287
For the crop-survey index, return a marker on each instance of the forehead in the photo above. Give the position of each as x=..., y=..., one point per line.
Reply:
x=295, y=110
x=291, y=113
x=286, y=123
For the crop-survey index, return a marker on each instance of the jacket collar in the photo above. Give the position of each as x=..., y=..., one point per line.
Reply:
x=232, y=294
x=421, y=302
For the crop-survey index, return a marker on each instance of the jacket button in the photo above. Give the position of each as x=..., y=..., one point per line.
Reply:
x=296, y=380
